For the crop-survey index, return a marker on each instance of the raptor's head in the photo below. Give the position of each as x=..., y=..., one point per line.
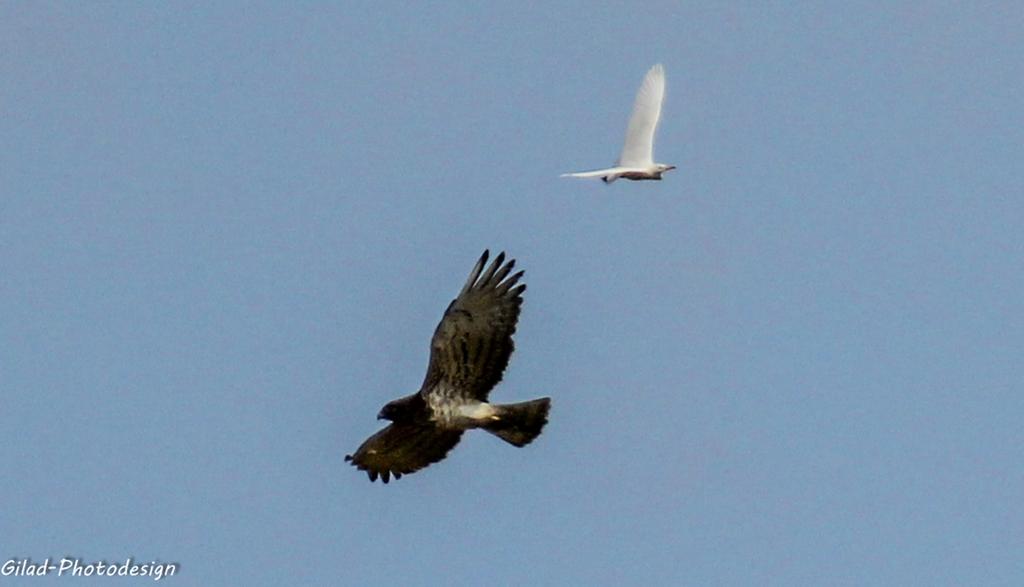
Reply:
x=404, y=409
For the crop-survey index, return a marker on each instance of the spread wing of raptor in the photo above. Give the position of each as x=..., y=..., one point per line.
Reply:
x=472, y=345
x=400, y=449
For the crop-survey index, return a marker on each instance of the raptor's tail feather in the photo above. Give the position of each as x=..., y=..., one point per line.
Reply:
x=519, y=424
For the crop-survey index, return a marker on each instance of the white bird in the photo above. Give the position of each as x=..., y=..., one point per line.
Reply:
x=637, y=158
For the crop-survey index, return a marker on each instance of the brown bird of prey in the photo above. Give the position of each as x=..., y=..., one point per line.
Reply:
x=468, y=354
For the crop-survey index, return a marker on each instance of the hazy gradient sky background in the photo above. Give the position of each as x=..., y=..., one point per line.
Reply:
x=227, y=233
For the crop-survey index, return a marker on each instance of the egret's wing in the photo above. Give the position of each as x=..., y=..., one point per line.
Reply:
x=639, y=148
x=597, y=173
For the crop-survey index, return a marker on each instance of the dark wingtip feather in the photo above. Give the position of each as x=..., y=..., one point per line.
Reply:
x=486, y=277
x=506, y=284
x=474, y=275
x=499, y=276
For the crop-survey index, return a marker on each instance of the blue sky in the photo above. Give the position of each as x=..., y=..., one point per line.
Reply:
x=227, y=233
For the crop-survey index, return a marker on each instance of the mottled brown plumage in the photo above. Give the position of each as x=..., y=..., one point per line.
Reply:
x=469, y=351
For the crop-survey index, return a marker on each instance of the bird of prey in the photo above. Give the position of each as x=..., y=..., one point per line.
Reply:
x=637, y=159
x=469, y=351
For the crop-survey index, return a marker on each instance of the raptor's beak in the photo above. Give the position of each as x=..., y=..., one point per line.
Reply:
x=380, y=415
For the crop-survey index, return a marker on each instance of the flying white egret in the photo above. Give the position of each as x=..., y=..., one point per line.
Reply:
x=637, y=159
